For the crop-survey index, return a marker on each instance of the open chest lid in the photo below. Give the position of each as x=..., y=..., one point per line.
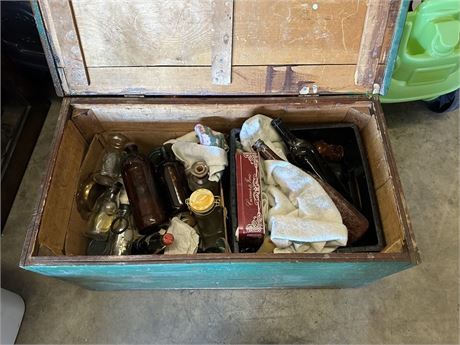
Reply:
x=219, y=47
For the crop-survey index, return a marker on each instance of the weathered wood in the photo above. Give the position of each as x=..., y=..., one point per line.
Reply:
x=223, y=275
x=61, y=23
x=61, y=194
x=246, y=80
x=176, y=32
x=222, y=41
x=371, y=42
x=409, y=238
x=157, y=47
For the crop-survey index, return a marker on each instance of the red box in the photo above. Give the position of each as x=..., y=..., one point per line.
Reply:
x=251, y=228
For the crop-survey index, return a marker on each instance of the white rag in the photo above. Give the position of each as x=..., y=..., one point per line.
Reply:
x=259, y=127
x=188, y=151
x=185, y=238
x=302, y=217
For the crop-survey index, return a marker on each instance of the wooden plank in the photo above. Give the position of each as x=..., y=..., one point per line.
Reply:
x=246, y=80
x=62, y=27
x=176, y=32
x=61, y=194
x=409, y=238
x=372, y=42
x=222, y=42
x=228, y=275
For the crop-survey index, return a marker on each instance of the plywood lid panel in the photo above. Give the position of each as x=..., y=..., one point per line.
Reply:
x=150, y=46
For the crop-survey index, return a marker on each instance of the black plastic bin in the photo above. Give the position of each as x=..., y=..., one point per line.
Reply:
x=354, y=164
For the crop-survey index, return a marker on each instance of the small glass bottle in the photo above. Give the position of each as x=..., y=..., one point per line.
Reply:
x=152, y=244
x=103, y=214
x=147, y=207
x=109, y=172
x=209, y=215
x=173, y=174
x=198, y=177
x=121, y=230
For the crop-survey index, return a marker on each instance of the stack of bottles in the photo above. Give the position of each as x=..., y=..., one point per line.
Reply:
x=131, y=198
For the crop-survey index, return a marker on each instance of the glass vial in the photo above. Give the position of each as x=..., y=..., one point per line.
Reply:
x=103, y=214
x=109, y=172
x=121, y=230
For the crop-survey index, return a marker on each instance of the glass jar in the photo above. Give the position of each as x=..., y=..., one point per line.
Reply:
x=210, y=217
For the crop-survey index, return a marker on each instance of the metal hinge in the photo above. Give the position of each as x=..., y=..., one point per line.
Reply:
x=309, y=90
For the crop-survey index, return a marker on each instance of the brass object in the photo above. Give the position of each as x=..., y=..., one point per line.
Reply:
x=87, y=194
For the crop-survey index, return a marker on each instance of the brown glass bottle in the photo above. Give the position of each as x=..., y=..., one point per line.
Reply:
x=354, y=221
x=148, y=209
x=305, y=155
x=173, y=174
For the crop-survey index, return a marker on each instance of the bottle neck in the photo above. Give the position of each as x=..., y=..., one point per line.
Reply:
x=285, y=134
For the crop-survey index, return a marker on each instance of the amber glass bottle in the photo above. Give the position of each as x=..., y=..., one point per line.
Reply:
x=147, y=206
x=173, y=174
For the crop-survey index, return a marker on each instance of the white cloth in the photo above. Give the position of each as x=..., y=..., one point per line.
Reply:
x=185, y=238
x=301, y=217
x=188, y=151
x=259, y=127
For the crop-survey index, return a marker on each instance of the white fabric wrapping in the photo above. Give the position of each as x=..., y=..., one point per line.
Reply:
x=185, y=238
x=302, y=217
x=188, y=151
x=259, y=127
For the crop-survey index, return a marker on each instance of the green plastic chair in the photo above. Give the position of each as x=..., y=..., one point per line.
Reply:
x=427, y=64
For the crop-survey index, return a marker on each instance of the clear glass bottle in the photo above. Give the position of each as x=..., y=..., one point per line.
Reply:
x=121, y=230
x=210, y=217
x=147, y=206
x=103, y=214
x=109, y=171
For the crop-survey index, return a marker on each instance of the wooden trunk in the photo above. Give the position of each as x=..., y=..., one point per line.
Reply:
x=267, y=61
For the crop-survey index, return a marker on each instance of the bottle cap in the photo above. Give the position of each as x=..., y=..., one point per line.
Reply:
x=201, y=201
x=167, y=239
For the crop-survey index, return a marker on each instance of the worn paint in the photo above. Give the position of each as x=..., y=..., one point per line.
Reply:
x=230, y=275
x=392, y=55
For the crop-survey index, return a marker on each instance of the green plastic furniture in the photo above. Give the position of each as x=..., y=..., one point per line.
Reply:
x=427, y=64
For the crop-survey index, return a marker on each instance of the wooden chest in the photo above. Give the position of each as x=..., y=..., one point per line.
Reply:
x=159, y=67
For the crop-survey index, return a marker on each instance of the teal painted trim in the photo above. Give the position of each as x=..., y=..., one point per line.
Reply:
x=393, y=53
x=229, y=275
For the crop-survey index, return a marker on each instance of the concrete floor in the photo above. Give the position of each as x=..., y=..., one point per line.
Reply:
x=415, y=306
